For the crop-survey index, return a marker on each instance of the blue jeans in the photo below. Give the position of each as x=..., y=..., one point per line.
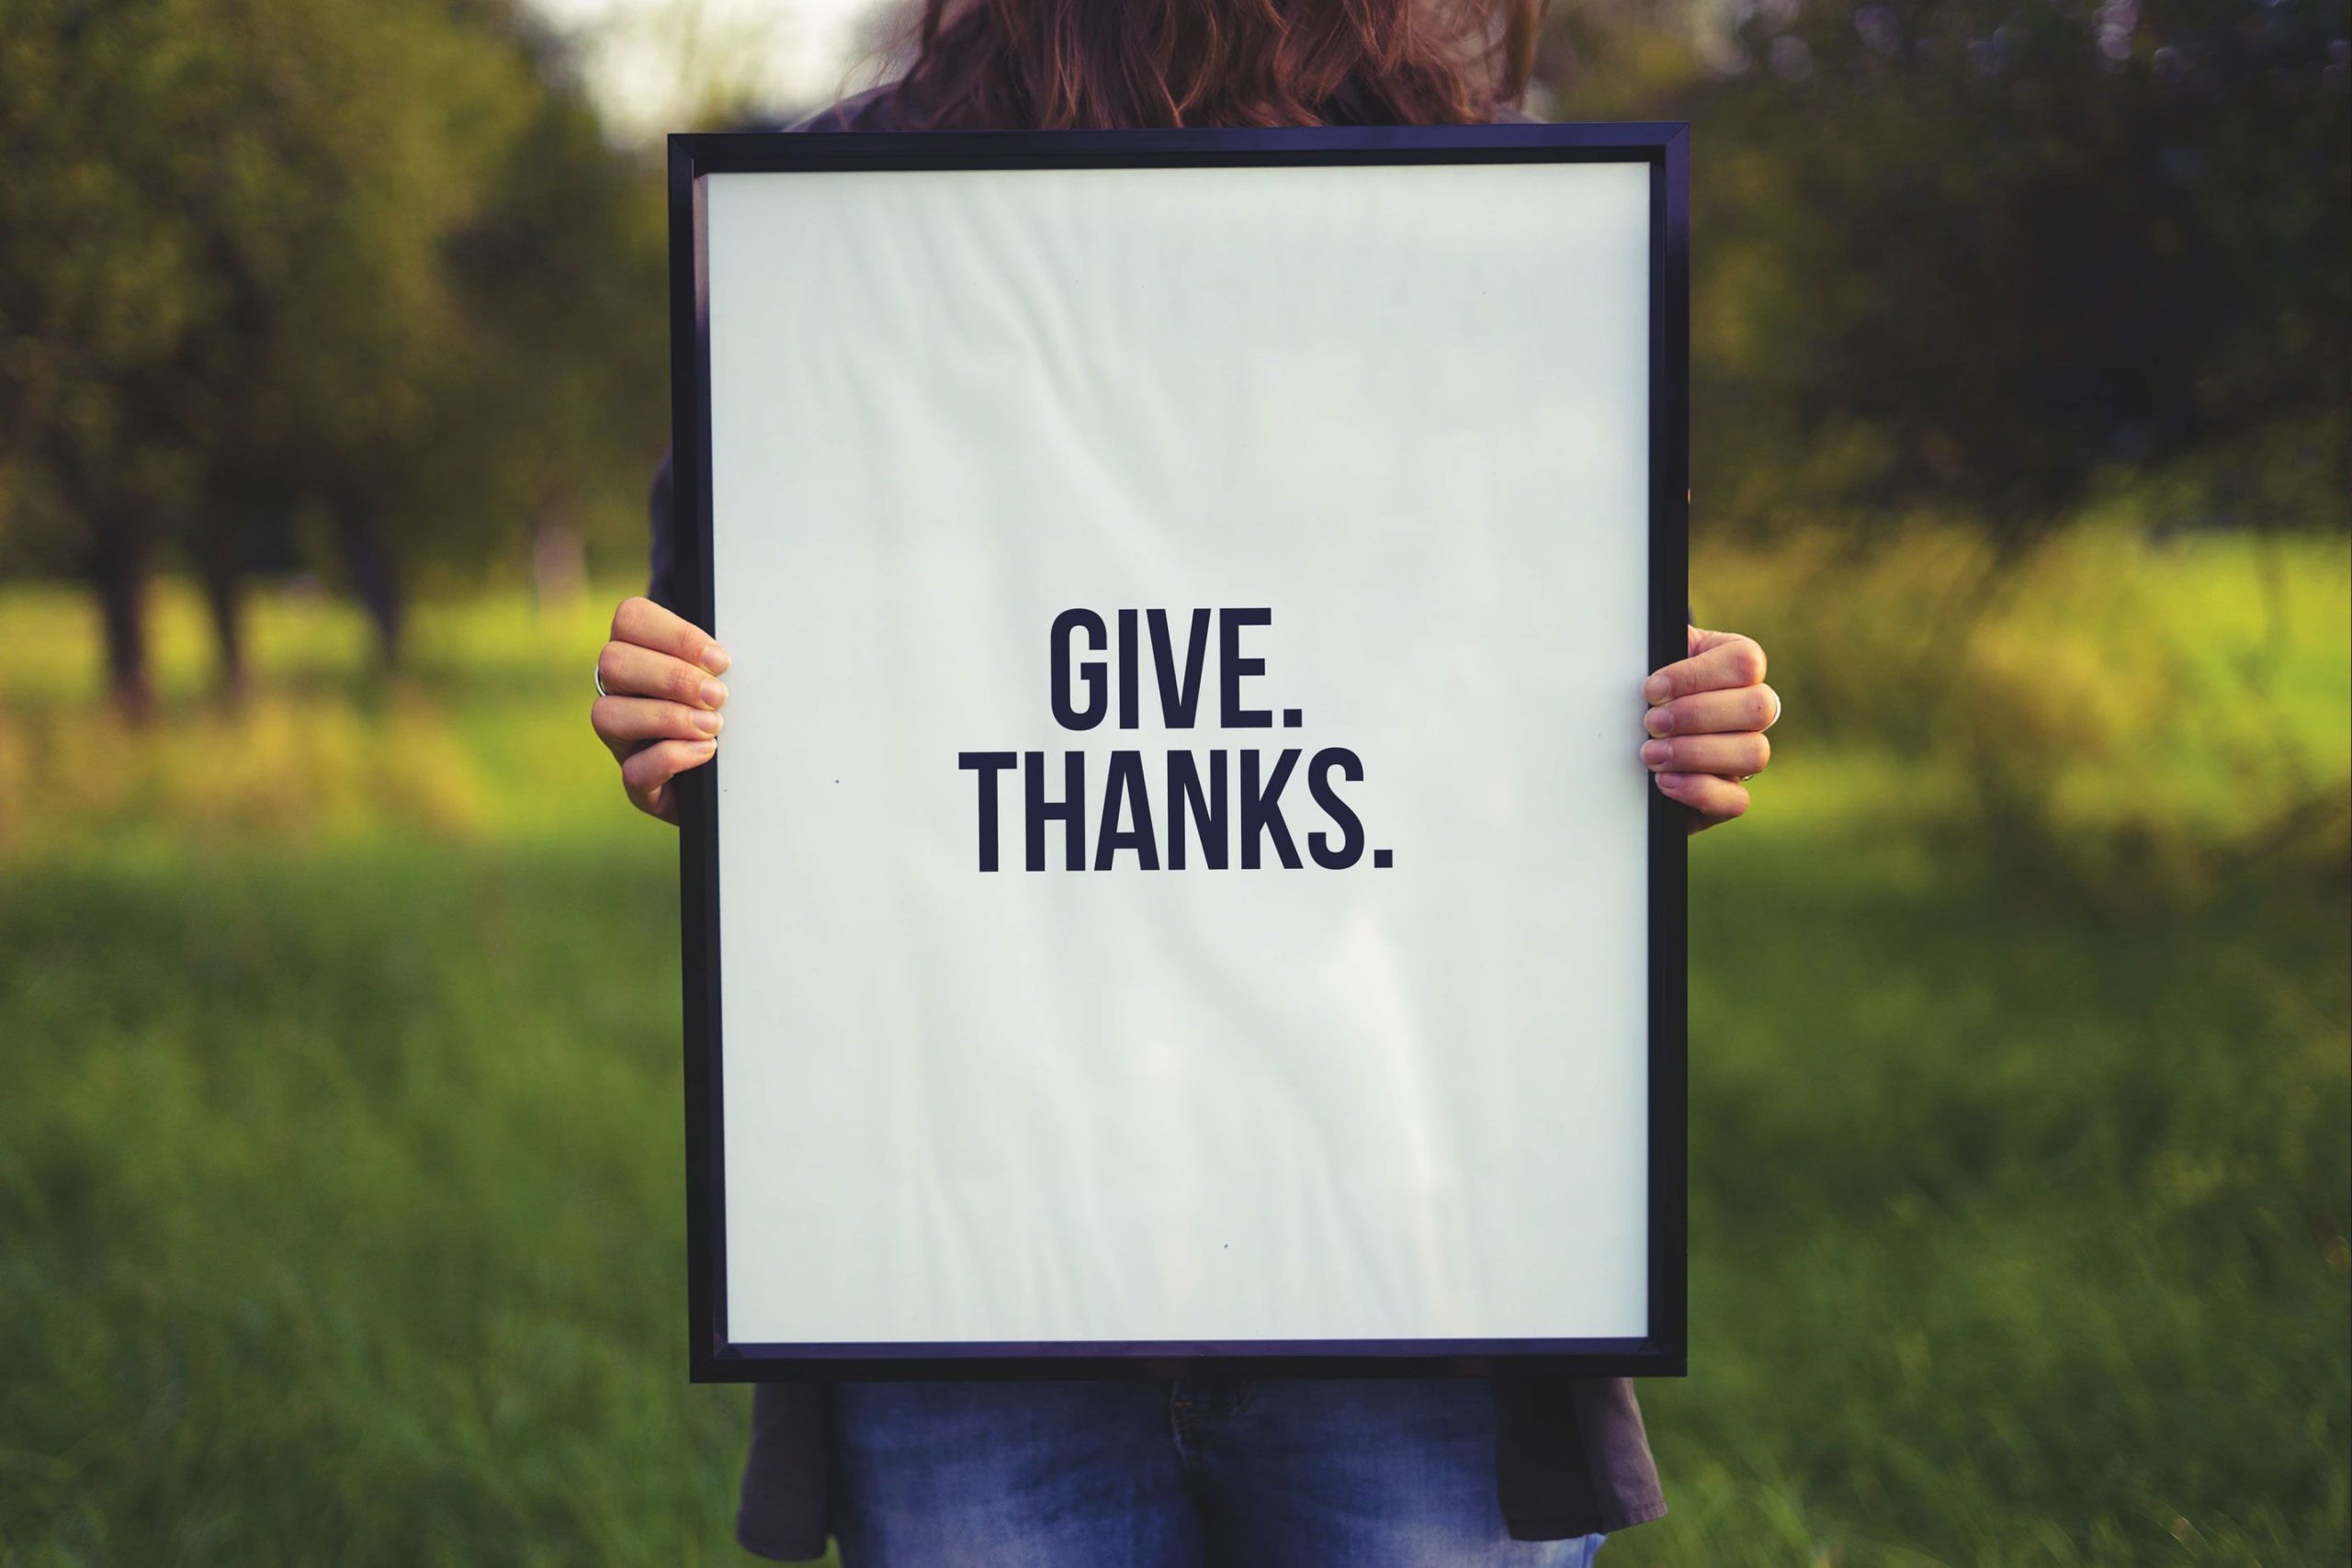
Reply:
x=1284, y=1474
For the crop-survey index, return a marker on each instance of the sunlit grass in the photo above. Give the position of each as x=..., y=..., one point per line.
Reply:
x=482, y=733
x=2149, y=710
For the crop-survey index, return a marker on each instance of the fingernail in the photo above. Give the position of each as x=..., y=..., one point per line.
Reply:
x=1657, y=754
x=715, y=659
x=708, y=723
x=1657, y=688
x=713, y=693
x=1672, y=782
x=1658, y=721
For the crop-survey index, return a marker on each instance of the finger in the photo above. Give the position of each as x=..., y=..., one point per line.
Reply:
x=1732, y=756
x=628, y=671
x=646, y=773
x=622, y=722
x=1698, y=639
x=1749, y=708
x=1715, y=799
x=1726, y=660
x=648, y=625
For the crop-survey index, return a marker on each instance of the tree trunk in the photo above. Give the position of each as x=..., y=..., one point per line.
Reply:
x=224, y=598
x=118, y=571
x=373, y=580
x=559, y=563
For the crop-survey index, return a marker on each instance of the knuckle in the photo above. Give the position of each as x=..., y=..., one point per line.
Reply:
x=608, y=664
x=1761, y=706
x=652, y=768
x=685, y=685
x=1747, y=661
x=1763, y=758
x=630, y=611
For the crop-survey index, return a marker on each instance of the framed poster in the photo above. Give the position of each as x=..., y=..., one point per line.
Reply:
x=1178, y=887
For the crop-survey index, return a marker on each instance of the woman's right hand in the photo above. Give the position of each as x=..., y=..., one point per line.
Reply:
x=659, y=713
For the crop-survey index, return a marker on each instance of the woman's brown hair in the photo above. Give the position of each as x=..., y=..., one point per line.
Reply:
x=1120, y=64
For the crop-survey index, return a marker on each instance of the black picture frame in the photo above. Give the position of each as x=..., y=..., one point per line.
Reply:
x=694, y=159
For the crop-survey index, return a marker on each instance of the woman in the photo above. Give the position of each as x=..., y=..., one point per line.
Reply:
x=1286, y=1474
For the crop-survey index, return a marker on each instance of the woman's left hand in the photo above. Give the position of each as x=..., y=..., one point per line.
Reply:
x=1707, y=718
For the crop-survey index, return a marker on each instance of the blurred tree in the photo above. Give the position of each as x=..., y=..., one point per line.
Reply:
x=1978, y=253
x=345, y=145
x=256, y=265
x=558, y=414
x=99, y=293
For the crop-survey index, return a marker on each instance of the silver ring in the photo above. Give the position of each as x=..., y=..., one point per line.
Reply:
x=600, y=682
x=1776, y=708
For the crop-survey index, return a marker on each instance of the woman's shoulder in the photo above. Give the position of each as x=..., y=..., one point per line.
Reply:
x=874, y=109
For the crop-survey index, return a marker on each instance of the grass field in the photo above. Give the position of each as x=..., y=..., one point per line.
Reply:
x=339, y=1144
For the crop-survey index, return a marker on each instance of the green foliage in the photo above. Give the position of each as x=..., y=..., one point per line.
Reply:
x=339, y=1160
x=557, y=413
x=2148, y=713
x=1983, y=253
x=284, y=181
x=269, y=258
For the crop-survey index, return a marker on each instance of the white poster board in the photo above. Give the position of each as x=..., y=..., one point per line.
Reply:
x=1180, y=878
